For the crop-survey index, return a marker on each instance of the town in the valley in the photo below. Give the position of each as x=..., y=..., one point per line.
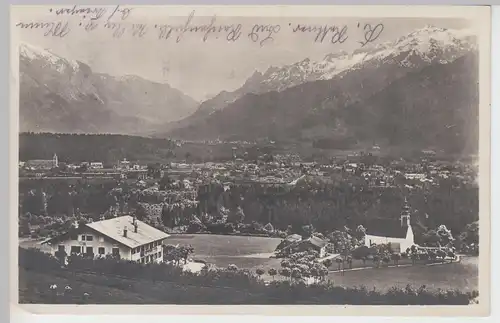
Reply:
x=276, y=216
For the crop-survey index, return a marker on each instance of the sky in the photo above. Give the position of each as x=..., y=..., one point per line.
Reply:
x=199, y=68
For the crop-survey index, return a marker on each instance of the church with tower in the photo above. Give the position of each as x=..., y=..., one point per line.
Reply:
x=43, y=164
x=398, y=233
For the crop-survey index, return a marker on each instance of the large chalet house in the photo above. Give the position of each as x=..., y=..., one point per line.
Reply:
x=398, y=233
x=123, y=236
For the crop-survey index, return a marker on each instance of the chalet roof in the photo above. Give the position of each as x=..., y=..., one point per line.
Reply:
x=382, y=227
x=315, y=241
x=113, y=228
x=294, y=237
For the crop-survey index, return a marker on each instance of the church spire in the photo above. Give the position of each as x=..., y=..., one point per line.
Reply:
x=405, y=214
x=55, y=161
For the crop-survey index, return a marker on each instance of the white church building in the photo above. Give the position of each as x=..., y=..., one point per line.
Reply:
x=398, y=233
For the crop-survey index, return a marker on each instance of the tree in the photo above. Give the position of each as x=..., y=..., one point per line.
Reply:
x=339, y=262
x=470, y=235
x=272, y=272
x=232, y=268
x=414, y=257
x=314, y=272
x=445, y=236
x=362, y=253
x=260, y=272
x=165, y=183
x=396, y=257
x=296, y=273
x=323, y=272
x=307, y=231
x=171, y=253
x=269, y=227
x=285, y=264
x=349, y=261
x=285, y=272
x=236, y=216
x=185, y=251
x=360, y=232
x=61, y=256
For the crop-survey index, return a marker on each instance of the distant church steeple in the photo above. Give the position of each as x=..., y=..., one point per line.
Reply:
x=405, y=214
x=55, y=161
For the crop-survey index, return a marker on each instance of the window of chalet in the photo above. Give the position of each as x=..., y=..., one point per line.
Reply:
x=116, y=251
x=83, y=237
x=90, y=238
x=101, y=250
x=76, y=249
x=89, y=251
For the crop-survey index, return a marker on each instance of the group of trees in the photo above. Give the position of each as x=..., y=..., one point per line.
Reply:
x=330, y=205
x=177, y=253
x=106, y=148
x=303, y=265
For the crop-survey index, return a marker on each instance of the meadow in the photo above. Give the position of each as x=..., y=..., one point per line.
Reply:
x=254, y=252
x=462, y=275
x=224, y=250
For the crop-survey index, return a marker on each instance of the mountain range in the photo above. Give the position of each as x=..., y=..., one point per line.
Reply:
x=419, y=90
x=62, y=95
x=407, y=91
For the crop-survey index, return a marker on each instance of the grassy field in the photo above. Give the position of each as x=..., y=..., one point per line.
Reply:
x=463, y=275
x=223, y=250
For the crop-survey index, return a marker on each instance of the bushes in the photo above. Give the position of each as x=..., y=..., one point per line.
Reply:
x=34, y=259
x=233, y=281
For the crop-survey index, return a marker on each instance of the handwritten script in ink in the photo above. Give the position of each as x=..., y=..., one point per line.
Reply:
x=116, y=22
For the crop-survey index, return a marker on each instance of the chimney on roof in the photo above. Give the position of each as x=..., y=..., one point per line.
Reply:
x=125, y=231
x=135, y=224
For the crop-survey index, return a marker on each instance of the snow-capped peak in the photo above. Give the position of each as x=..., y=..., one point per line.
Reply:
x=31, y=53
x=428, y=44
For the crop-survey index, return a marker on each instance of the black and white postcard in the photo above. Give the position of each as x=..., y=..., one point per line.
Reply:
x=335, y=158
